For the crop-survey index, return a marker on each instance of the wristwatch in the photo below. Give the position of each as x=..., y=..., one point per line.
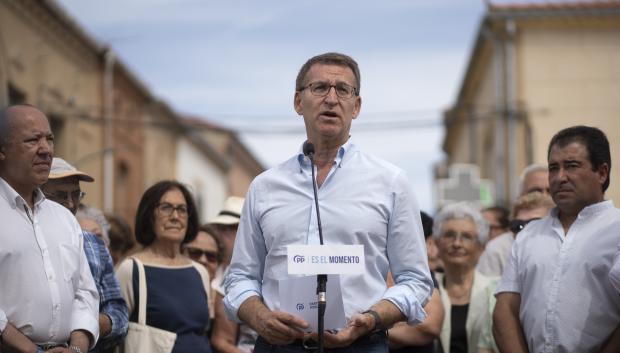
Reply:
x=76, y=349
x=377, y=319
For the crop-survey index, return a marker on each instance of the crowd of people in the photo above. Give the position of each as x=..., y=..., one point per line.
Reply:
x=542, y=276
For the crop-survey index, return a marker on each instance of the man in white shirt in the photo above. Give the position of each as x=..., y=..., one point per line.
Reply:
x=554, y=295
x=525, y=209
x=535, y=177
x=48, y=299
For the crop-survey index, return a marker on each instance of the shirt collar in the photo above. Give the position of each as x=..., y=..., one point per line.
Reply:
x=588, y=210
x=343, y=151
x=14, y=198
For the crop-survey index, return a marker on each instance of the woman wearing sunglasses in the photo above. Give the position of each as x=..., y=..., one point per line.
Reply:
x=206, y=249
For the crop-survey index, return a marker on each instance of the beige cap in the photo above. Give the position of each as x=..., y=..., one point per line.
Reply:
x=230, y=214
x=62, y=169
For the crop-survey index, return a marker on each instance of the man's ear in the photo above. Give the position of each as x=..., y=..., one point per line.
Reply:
x=603, y=172
x=297, y=103
x=2, y=154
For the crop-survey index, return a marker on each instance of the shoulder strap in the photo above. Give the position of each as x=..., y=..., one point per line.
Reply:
x=141, y=292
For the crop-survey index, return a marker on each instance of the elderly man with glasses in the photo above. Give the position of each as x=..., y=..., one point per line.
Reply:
x=63, y=187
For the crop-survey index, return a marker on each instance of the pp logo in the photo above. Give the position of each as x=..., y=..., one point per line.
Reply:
x=298, y=258
x=299, y=307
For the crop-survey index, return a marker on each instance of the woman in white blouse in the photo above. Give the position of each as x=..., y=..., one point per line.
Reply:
x=461, y=232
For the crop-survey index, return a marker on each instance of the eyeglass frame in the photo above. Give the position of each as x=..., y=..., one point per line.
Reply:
x=459, y=235
x=64, y=199
x=342, y=84
x=177, y=208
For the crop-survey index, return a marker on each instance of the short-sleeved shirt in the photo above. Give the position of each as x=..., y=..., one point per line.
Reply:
x=567, y=301
x=496, y=252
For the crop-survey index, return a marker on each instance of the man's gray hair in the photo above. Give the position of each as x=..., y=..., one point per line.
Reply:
x=461, y=210
x=86, y=212
x=527, y=170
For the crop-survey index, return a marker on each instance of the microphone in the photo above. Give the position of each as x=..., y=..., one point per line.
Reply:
x=309, y=151
x=321, y=285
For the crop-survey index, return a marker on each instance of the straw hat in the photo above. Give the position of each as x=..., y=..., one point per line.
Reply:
x=61, y=169
x=230, y=214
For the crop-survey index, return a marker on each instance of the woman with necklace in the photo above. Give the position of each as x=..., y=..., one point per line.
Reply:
x=176, y=287
x=461, y=232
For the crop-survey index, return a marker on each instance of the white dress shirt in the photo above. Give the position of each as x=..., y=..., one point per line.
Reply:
x=363, y=200
x=47, y=290
x=496, y=252
x=567, y=301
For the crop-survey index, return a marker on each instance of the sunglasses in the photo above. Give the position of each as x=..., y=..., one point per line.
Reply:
x=196, y=254
x=516, y=225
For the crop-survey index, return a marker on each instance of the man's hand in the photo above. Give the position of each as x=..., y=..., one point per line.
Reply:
x=358, y=326
x=105, y=325
x=276, y=327
x=60, y=350
x=280, y=328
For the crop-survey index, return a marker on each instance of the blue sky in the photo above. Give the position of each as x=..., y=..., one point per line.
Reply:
x=235, y=62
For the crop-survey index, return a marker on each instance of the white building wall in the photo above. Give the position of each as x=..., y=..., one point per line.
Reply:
x=207, y=182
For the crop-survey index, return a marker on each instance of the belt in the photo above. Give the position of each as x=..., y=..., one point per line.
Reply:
x=309, y=344
x=48, y=346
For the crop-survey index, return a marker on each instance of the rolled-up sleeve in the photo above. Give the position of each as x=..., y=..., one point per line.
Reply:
x=244, y=276
x=406, y=251
x=85, y=313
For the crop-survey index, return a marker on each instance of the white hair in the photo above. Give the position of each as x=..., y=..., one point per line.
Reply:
x=461, y=210
x=86, y=212
x=527, y=170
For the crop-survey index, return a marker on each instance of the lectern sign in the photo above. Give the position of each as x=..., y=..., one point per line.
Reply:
x=325, y=259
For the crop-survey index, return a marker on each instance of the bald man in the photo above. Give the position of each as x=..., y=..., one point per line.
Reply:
x=48, y=299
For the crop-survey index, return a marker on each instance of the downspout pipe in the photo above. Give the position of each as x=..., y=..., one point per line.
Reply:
x=4, y=73
x=108, y=116
x=511, y=103
x=499, y=103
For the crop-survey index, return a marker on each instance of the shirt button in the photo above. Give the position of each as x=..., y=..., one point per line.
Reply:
x=50, y=277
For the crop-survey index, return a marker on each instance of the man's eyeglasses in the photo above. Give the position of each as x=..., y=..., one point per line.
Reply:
x=516, y=225
x=451, y=237
x=195, y=254
x=321, y=89
x=63, y=196
x=167, y=209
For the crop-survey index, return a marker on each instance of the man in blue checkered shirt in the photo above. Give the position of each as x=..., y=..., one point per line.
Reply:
x=63, y=186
